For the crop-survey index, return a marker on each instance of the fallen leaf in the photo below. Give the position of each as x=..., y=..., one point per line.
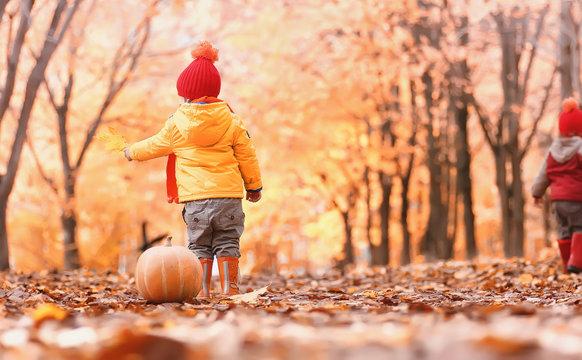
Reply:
x=132, y=345
x=249, y=298
x=48, y=311
x=371, y=294
x=504, y=345
x=526, y=279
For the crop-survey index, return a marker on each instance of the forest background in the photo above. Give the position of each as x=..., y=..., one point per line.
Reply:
x=388, y=132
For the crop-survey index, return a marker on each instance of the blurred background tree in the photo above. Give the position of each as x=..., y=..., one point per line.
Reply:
x=115, y=74
x=41, y=46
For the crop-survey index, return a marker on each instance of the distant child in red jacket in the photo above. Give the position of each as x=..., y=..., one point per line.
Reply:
x=562, y=172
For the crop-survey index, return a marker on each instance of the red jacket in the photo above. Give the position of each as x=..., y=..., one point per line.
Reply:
x=561, y=170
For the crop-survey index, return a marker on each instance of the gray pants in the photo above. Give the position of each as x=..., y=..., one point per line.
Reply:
x=214, y=227
x=569, y=216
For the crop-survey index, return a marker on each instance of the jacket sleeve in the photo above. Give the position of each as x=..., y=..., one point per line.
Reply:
x=158, y=145
x=541, y=182
x=244, y=152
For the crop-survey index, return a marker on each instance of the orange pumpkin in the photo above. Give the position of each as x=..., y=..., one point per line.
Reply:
x=168, y=273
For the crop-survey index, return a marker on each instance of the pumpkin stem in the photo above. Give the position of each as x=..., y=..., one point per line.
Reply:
x=168, y=241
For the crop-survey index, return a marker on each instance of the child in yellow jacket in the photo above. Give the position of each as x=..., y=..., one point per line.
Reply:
x=212, y=157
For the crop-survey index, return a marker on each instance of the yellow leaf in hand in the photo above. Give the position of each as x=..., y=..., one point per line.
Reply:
x=112, y=139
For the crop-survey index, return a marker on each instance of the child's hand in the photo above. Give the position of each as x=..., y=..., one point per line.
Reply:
x=253, y=196
x=127, y=156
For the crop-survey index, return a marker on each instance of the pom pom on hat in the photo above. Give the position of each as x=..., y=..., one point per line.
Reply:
x=570, y=122
x=569, y=104
x=206, y=51
x=200, y=78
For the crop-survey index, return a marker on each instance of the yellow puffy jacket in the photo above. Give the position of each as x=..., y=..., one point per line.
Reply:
x=214, y=152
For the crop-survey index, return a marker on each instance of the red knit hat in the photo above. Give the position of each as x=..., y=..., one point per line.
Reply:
x=200, y=78
x=571, y=118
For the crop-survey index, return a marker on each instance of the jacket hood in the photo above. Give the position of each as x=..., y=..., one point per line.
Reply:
x=564, y=148
x=203, y=124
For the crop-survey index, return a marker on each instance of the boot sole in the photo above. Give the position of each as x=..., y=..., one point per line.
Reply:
x=574, y=269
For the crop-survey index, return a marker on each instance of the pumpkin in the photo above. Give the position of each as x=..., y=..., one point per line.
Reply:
x=168, y=273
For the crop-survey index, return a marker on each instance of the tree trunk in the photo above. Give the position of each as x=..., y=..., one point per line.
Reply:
x=464, y=181
x=382, y=251
x=12, y=60
x=508, y=34
x=4, y=255
x=69, y=226
x=518, y=204
x=33, y=83
x=502, y=188
x=463, y=164
x=547, y=215
x=405, y=259
x=369, y=217
x=369, y=213
x=565, y=42
x=509, y=152
x=68, y=210
x=452, y=210
x=347, y=215
x=348, y=249
x=435, y=239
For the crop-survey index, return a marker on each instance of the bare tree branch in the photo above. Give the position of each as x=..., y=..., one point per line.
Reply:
x=50, y=182
x=125, y=61
x=575, y=45
x=50, y=94
x=57, y=39
x=483, y=120
x=500, y=127
x=3, y=4
x=411, y=143
x=9, y=39
x=532, y=55
x=547, y=92
x=13, y=56
x=62, y=119
x=525, y=20
x=155, y=54
x=32, y=85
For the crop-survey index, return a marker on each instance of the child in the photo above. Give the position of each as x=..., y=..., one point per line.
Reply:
x=210, y=156
x=562, y=170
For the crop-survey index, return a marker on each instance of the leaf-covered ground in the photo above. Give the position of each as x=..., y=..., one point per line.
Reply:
x=499, y=309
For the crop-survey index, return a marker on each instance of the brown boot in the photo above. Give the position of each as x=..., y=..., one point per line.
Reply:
x=206, y=276
x=228, y=269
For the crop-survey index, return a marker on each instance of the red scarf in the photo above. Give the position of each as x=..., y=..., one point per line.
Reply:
x=171, y=186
